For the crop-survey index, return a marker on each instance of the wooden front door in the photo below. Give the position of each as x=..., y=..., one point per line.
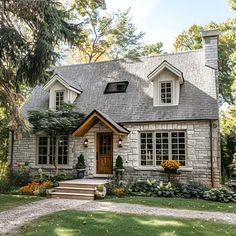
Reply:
x=104, y=153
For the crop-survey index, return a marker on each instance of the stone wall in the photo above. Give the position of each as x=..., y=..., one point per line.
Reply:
x=197, y=169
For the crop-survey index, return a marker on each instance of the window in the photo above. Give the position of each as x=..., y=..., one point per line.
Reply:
x=59, y=98
x=116, y=87
x=52, y=149
x=166, y=92
x=158, y=146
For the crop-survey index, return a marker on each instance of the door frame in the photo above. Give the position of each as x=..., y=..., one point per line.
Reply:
x=96, y=151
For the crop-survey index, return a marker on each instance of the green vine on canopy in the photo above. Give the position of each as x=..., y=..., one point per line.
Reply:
x=56, y=123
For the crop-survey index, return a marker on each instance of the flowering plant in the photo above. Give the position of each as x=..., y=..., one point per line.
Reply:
x=36, y=188
x=170, y=165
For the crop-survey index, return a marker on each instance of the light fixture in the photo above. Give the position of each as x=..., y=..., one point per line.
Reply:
x=120, y=142
x=86, y=143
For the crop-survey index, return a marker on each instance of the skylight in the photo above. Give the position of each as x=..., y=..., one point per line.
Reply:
x=116, y=87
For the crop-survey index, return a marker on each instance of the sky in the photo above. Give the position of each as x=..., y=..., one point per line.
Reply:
x=163, y=20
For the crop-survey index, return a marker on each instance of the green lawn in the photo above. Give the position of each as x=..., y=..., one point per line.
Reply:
x=178, y=203
x=8, y=201
x=74, y=223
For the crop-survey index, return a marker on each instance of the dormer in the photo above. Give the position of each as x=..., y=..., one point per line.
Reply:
x=166, y=80
x=60, y=90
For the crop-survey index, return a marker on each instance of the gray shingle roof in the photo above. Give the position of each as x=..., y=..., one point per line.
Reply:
x=197, y=94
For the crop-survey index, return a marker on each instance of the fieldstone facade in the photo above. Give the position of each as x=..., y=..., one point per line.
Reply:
x=202, y=142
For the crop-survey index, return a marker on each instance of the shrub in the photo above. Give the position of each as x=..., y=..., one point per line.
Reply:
x=22, y=176
x=165, y=190
x=4, y=185
x=189, y=191
x=119, y=162
x=119, y=191
x=144, y=188
x=100, y=188
x=80, y=164
x=220, y=195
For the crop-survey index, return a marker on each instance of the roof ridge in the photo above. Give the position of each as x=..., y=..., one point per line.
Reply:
x=134, y=58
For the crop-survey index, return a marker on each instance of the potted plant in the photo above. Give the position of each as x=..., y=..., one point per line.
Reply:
x=100, y=191
x=80, y=166
x=119, y=168
x=170, y=167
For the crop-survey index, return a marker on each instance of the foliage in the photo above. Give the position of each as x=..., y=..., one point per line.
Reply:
x=119, y=162
x=103, y=35
x=29, y=32
x=189, y=191
x=220, y=195
x=35, y=188
x=228, y=138
x=21, y=176
x=4, y=185
x=80, y=164
x=191, y=39
x=165, y=190
x=54, y=179
x=56, y=123
x=119, y=191
x=3, y=136
x=100, y=188
x=170, y=165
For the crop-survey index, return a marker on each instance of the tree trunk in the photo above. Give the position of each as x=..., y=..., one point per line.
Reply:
x=11, y=157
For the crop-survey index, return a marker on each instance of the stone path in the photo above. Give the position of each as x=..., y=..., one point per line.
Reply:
x=146, y=210
x=12, y=219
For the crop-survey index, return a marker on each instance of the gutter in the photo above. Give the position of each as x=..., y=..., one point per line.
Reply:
x=211, y=155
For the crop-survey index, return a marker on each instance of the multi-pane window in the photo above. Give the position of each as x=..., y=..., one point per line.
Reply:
x=59, y=99
x=53, y=150
x=147, y=149
x=158, y=146
x=166, y=92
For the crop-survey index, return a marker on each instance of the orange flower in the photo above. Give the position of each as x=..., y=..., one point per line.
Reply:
x=170, y=165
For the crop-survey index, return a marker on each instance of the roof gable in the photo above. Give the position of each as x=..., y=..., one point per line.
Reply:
x=61, y=80
x=166, y=65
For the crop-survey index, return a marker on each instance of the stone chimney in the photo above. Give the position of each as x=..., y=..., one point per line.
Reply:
x=210, y=45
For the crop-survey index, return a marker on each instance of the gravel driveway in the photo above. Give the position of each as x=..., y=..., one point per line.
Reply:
x=12, y=219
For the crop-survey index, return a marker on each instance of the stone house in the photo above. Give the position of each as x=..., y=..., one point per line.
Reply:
x=145, y=109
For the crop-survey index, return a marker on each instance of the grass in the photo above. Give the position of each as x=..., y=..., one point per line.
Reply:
x=178, y=203
x=74, y=223
x=8, y=201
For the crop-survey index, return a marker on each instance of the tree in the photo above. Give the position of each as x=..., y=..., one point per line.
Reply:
x=56, y=123
x=103, y=35
x=29, y=32
x=228, y=137
x=191, y=39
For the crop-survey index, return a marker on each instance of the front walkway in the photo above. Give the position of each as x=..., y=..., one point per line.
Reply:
x=12, y=219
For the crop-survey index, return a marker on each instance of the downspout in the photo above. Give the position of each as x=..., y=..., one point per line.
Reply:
x=211, y=156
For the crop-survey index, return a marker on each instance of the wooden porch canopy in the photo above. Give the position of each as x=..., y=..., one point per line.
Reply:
x=94, y=117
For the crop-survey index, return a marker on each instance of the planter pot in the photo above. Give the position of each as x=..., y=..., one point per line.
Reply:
x=119, y=173
x=170, y=171
x=101, y=195
x=80, y=173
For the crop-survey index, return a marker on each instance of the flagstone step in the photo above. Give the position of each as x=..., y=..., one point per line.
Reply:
x=80, y=196
x=75, y=190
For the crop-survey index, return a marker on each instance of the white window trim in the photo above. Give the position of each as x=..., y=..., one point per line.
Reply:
x=154, y=166
x=59, y=91
x=172, y=94
x=48, y=153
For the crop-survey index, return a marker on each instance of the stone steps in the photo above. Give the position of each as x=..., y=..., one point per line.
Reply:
x=79, y=196
x=82, y=189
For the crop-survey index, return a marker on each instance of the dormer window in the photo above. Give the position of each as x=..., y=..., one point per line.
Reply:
x=166, y=80
x=166, y=92
x=59, y=99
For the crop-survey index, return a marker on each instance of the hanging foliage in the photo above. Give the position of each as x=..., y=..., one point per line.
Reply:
x=56, y=123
